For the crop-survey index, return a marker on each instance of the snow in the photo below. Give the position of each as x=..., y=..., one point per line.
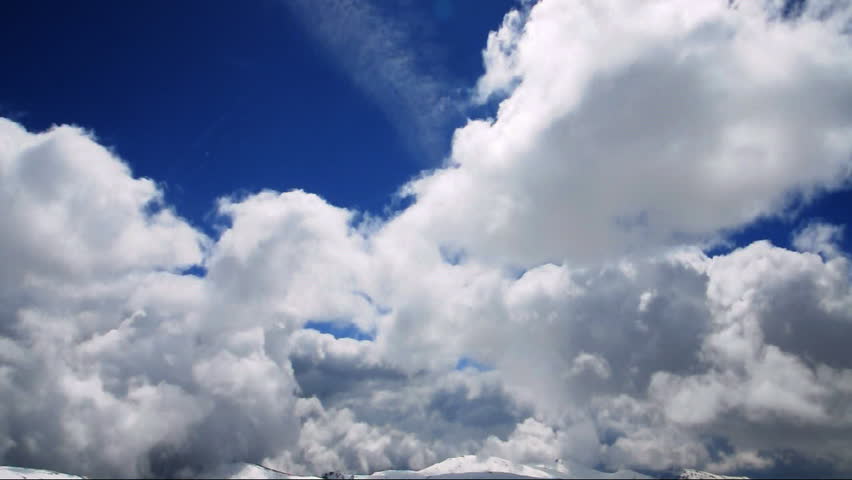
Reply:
x=249, y=470
x=401, y=474
x=472, y=463
x=696, y=474
x=487, y=475
x=569, y=469
x=16, y=472
x=468, y=466
x=471, y=466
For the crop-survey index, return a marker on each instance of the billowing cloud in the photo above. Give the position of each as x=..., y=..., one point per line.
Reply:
x=634, y=126
x=561, y=249
x=820, y=238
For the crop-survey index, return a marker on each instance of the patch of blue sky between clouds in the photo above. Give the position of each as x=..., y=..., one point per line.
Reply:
x=829, y=207
x=465, y=363
x=194, y=270
x=340, y=329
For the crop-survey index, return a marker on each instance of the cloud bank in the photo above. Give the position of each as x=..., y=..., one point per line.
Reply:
x=562, y=246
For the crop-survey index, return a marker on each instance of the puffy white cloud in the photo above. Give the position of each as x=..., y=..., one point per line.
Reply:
x=123, y=367
x=288, y=258
x=734, y=347
x=739, y=461
x=335, y=440
x=560, y=247
x=764, y=378
x=819, y=238
x=534, y=442
x=61, y=188
x=586, y=362
x=117, y=365
x=634, y=126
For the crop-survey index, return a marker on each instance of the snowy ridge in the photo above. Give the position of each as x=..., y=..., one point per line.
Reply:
x=468, y=466
x=16, y=472
x=568, y=469
x=249, y=470
x=472, y=463
x=471, y=466
x=697, y=474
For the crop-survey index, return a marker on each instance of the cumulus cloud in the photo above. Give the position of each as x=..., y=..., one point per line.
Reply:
x=630, y=127
x=820, y=238
x=534, y=442
x=62, y=188
x=121, y=365
x=575, y=219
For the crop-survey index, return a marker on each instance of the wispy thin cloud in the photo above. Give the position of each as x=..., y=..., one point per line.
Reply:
x=385, y=61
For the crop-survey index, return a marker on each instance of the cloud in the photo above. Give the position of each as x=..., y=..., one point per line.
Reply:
x=753, y=385
x=586, y=362
x=575, y=222
x=500, y=58
x=534, y=442
x=83, y=245
x=115, y=363
x=120, y=365
x=330, y=368
x=820, y=238
x=62, y=188
x=335, y=440
x=642, y=126
x=393, y=66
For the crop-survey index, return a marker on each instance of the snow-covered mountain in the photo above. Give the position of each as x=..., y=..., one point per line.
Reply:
x=698, y=474
x=17, y=473
x=468, y=466
x=472, y=463
x=471, y=466
x=249, y=470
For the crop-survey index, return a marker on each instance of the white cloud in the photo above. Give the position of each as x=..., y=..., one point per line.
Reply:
x=587, y=362
x=62, y=188
x=200, y=366
x=335, y=440
x=760, y=384
x=626, y=137
x=501, y=58
x=290, y=257
x=382, y=57
x=534, y=442
x=819, y=237
x=126, y=367
x=638, y=126
x=739, y=461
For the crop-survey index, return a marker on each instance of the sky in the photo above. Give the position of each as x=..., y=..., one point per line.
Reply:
x=339, y=235
x=211, y=98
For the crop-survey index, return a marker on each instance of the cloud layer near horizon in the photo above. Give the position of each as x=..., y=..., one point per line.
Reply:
x=626, y=142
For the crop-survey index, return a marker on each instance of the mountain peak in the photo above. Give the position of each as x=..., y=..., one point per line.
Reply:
x=474, y=463
x=689, y=473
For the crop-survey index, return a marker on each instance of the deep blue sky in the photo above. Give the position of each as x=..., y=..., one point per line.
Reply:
x=218, y=97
